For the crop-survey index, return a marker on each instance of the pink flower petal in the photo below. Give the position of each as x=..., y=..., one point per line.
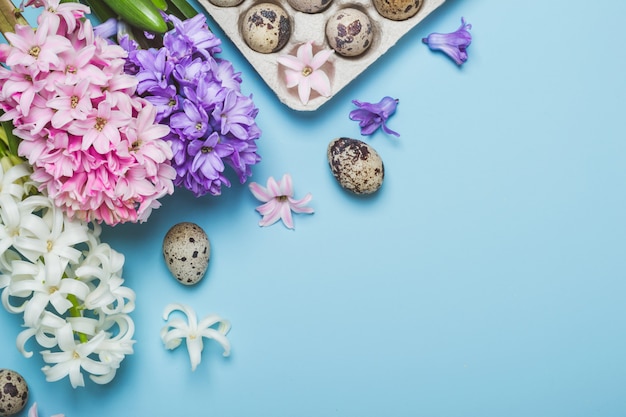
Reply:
x=260, y=193
x=304, y=89
x=285, y=215
x=286, y=185
x=272, y=187
x=291, y=62
x=321, y=57
x=319, y=82
x=292, y=78
x=272, y=217
x=298, y=206
x=304, y=53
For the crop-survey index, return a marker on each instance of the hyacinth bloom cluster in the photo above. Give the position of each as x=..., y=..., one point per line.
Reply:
x=92, y=142
x=371, y=116
x=198, y=95
x=64, y=281
x=452, y=44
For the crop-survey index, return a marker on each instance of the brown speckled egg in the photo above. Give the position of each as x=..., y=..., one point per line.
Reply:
x=13, y=392
x=226, y=3
x=397, y=9
x=186, y=250
x=356, y=165
x=266, y=28
x=309, y=6
x=349, y=32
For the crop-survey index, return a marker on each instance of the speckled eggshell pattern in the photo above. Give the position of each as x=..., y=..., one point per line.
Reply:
x=187, y=250
x=266, y=28
x=13, y=392
x=349, y=32
x=309, y=6
x=397, y=9
x=226, y=3
x=356, y=165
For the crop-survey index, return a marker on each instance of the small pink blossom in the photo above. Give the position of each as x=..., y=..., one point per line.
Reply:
x=39, y=48
x=101, y=128
x=304, y=71
x=279, y=202
x=71, y=103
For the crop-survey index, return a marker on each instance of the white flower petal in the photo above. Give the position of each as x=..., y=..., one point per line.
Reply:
x=194, y=347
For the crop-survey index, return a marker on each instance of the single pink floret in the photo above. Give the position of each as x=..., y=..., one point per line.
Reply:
x=304, y=70
x=279, y=201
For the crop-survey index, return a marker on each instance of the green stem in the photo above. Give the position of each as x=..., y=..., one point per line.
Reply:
x=10, y=16
x=76, y=311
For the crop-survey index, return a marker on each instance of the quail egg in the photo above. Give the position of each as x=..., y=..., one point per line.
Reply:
x=355, y=165
x=187, y=250
x=309, y=6
x=226, y=3
x=13, y=392
x=349, y=32
x=266, y=28
x=397, y=9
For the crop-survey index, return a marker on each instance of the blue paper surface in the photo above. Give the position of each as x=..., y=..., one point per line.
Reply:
x=485, y=278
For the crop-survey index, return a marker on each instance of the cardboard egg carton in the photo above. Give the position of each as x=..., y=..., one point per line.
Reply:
x=312, y=27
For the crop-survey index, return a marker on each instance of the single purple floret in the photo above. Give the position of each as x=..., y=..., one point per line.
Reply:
x=452, y=44
x=233, y=114
x=192, y=122
x=191, y=36
x=188, y=71
x=371, y=116
x=207, y=155
x=155, y=70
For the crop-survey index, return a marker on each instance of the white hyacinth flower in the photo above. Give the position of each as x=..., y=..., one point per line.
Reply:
x=193, y=332
x=73, y=358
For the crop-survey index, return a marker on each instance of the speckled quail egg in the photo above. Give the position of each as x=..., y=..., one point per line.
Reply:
x=266, y=28
x=349, y=32
x=226, y=3
x=397, y=9
x=187, y=250
x=13, y=392
x=309, y=6
x=355, y=165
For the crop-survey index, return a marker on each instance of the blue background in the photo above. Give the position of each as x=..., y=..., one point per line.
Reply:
x=485, y=278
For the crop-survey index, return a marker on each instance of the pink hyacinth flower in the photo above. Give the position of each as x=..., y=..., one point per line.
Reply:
x=37, y=48
x=304, y=70
x=279, y=202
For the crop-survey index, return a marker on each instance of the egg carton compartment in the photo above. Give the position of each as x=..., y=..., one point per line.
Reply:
x=298, y=27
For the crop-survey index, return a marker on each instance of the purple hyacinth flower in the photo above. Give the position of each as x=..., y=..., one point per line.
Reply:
x=233, y=114
x=187, y=71
x=166, y=102
x=155, y=70
x=191, y=36
x=193, y=121
x=452, y=44
x=372, y=116
x=207, y=156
